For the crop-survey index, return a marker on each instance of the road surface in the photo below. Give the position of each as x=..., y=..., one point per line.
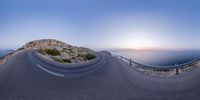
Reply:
x=22, y=78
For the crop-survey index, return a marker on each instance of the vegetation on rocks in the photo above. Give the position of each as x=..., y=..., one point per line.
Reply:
x=61, y=52
x=52, y=52
x=57, y=59
x=90, y=56
x=20, y=49
x=67, y=60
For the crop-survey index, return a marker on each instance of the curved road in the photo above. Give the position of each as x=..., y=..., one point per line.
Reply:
x=21, y=78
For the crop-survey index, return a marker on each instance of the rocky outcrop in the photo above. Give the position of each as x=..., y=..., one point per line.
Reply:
x=60, y=51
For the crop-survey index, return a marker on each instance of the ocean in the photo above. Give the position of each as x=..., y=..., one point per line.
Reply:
x=4, y=52
x=1, y=54
x=159, y=57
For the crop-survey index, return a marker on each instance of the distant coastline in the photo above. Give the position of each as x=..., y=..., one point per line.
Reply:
x=4, y=52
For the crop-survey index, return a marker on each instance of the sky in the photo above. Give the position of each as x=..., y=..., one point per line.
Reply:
x=102, y=24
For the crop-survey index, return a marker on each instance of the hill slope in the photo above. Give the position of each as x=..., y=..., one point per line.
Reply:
x=60, y=51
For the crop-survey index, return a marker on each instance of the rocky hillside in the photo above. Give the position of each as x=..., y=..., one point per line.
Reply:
x=60, y=51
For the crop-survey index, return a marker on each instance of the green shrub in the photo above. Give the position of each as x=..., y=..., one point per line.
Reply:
x=20, y=49
x=67, y=60
x=67, y=49
x=71, y=51
x=80, y=55
x=90, y=56
x=58, y=59
x=41, y=51
x=52, y=52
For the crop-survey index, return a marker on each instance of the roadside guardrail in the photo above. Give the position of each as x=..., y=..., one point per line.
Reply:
x=158, y=68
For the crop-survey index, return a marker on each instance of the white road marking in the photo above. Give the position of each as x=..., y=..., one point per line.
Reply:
x=53, y=73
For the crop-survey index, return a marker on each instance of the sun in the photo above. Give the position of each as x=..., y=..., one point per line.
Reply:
x=142, y=43
x=139, y=42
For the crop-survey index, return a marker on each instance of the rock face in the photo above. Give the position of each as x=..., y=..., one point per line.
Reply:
x=60, y=51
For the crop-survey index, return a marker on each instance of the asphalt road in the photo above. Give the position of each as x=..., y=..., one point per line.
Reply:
x=22, y=78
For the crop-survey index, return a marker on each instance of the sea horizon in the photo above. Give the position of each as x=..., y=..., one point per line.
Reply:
x=156, y=57
x=159, y=57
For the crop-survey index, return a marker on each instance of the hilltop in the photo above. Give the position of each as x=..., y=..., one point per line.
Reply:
x=60, y=51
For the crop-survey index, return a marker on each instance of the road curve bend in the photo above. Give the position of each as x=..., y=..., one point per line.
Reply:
x=66, y=70
x=25, y=77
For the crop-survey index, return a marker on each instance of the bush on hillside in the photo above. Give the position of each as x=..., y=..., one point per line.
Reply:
x=20, y=49
x=41, y=51
x=52, y=52
x=67, y=60
x=58, y=59
x=90, y=56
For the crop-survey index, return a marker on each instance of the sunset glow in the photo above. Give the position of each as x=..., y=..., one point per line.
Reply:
x=134, y=25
